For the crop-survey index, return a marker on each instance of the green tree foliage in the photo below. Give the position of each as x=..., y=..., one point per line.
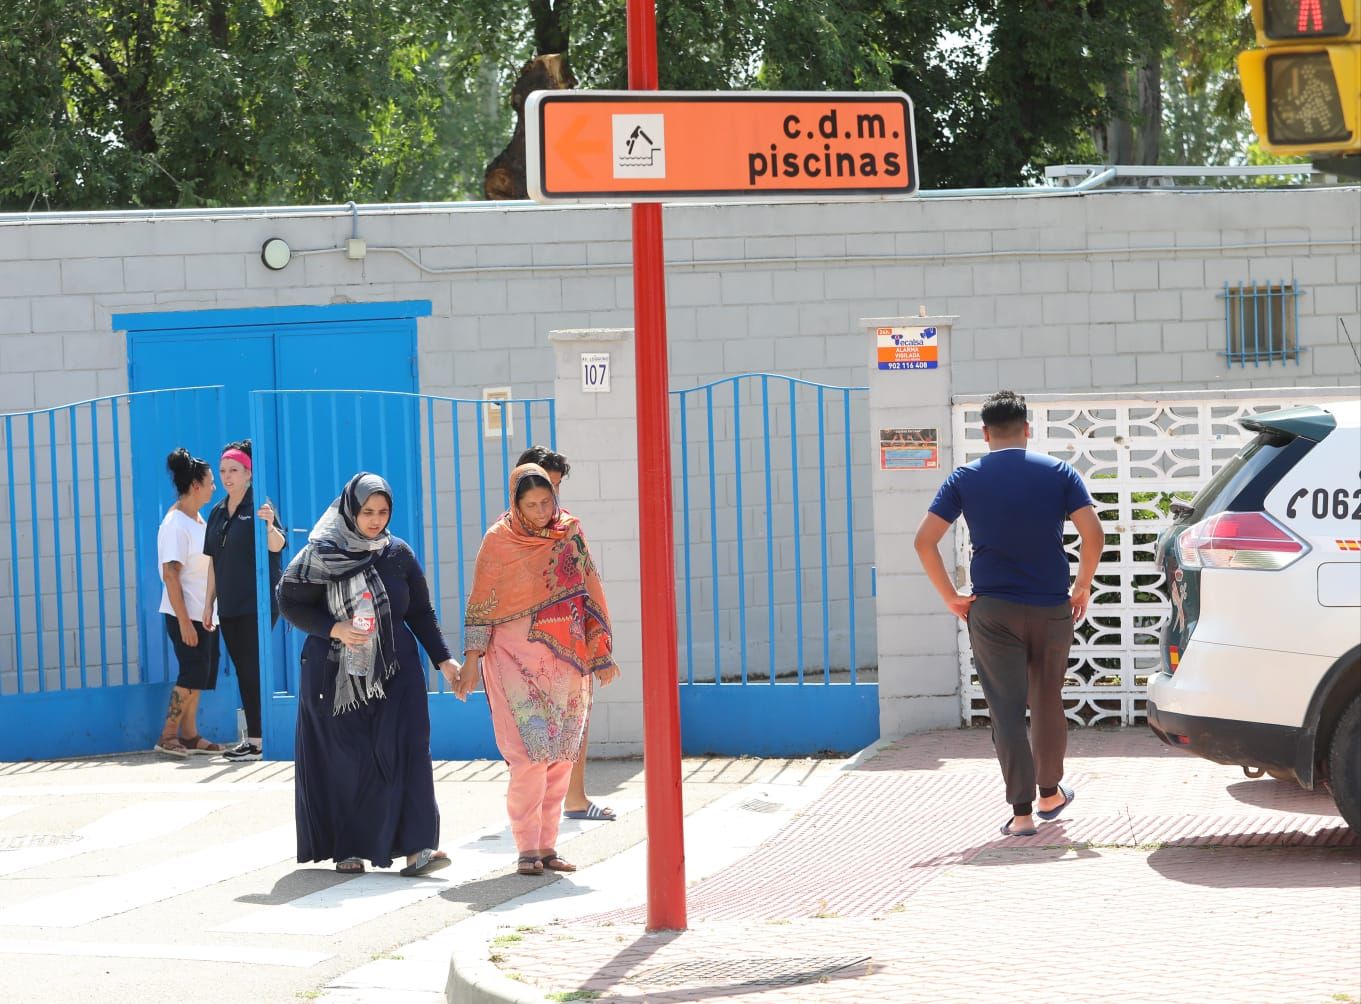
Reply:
x=107, y=103
x=236, y=102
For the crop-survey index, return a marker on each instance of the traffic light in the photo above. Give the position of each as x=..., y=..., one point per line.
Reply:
x=1303, y=86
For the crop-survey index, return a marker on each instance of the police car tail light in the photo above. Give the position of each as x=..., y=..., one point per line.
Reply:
x=1250, y=540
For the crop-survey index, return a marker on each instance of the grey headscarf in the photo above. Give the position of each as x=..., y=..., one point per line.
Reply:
x=341, y=558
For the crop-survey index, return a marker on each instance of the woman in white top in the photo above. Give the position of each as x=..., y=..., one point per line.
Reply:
x=184, y=570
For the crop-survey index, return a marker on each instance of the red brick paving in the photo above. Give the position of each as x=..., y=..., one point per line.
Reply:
x=1168, y=878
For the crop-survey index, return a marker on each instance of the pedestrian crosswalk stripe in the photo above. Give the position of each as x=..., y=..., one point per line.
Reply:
x=11, y=810
x=134, y=824
x=190, y=953
x=369, y=896
x=218, y=788
x=91, y=901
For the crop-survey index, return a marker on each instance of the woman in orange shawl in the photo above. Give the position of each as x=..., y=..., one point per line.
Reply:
x=537, y=619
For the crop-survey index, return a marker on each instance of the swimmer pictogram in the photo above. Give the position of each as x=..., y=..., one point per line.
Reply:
x=638, y=150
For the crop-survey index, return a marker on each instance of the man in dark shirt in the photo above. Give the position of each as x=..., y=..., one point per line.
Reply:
x=1021, y=612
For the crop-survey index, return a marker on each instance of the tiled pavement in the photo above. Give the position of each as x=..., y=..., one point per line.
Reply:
x=1169, y=878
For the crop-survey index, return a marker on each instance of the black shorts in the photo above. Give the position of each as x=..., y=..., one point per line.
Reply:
x=198, y=664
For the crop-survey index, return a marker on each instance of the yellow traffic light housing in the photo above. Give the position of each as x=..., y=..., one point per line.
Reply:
x=1304, y=87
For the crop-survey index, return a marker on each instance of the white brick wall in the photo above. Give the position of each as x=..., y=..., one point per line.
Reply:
x=1104, y=292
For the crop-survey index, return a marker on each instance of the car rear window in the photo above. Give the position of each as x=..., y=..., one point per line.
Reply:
x=1231, y=479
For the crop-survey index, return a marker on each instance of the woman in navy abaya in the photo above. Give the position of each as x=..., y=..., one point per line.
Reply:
x=364, y=787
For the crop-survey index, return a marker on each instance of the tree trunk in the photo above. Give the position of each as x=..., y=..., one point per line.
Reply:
x=505, y=176
x=1149, y=81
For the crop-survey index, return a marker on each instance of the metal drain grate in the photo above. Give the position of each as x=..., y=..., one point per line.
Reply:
x=746, y=972
x=20, y=841
x=760, y=805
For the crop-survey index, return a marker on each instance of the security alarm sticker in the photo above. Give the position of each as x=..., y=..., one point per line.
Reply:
x=910, y=347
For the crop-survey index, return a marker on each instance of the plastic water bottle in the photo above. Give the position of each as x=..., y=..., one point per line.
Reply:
x=364, y=614
x=365, y=619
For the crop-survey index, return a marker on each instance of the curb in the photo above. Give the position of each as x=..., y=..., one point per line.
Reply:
x=475, y=979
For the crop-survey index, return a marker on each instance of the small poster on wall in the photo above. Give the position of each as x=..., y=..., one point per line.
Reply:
x=909, y=347
x=496, y=414
x=909, y=449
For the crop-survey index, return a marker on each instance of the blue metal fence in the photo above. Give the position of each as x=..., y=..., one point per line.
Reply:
x=449, y=462
x=78, y=672
x=775, y=577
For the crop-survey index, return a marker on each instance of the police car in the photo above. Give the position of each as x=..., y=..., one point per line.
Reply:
x=1261, y=658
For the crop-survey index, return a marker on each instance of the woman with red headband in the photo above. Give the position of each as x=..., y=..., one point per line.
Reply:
x=229, y=543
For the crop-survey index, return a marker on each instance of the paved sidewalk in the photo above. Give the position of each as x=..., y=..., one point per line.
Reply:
x=1169, y=878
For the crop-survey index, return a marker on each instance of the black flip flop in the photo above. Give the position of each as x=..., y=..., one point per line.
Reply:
x=1007, y=831
x=1047, y=814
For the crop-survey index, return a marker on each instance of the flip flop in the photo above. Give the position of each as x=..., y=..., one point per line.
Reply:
x=350, y=866
x=1007, y=831
x=1047, y=814
x=592, y=811
x=427, y=861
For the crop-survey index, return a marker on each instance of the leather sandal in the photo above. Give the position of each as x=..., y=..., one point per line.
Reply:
x=553, y=863
x=528, y=864
x=197, y=744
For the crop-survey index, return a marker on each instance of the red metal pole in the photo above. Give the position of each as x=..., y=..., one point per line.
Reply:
x=661, y=701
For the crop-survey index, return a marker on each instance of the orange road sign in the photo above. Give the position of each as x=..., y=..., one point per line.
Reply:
x=649, y=146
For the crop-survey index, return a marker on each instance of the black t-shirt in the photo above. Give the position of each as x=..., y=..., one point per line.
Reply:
x=230, y=542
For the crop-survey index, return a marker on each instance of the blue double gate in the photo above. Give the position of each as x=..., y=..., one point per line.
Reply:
x=775, y=567
x=448, y=461
x=84, y=662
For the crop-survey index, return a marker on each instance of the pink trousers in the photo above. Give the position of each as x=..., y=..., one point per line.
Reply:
x=534, y=800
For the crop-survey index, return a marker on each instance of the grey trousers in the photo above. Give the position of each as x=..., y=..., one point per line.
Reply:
x=1021, y=653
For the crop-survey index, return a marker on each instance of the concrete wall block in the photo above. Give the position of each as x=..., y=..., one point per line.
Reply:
x=1201, y=305
x=899, y=281
x=724, y=249
x=1110, y=372
x=17, y=390
x=1348, y=269
x=15, y=316
x=63, y=313
x=81, y=240
x=486, y=296
x=1045, y=276
x=1335, y=360
x=1207, y=368
x=908, y=715
x=1181, y=273
x=1005, y=344
x=1067, y=308
x=850, y=283
x=30, y=278
x=1326, y=300
x=798, y=286
x=1068, y=374
x=998, y=279
x=947, y=280
x=1190, y=336
x=1218, y=271
x=872, y=245
x=590, y=293
x=743, y=287
x=1159, y=370
x=545, y=294
x=1112, y=307
x=1025, y=376
x=772, y=321
x=721, y=323
x=93, y=352
x=215, y=271
x=1157, y=306
x=1041, y=342
x=1315, y=270
x=155, y=273
x=51, y=389
x=693, y=289
x=1135, y=339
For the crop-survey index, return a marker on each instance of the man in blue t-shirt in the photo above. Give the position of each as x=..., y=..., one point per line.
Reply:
x=1021, y=612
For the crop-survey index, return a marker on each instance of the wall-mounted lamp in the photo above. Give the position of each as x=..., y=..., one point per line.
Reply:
x=275, y=253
